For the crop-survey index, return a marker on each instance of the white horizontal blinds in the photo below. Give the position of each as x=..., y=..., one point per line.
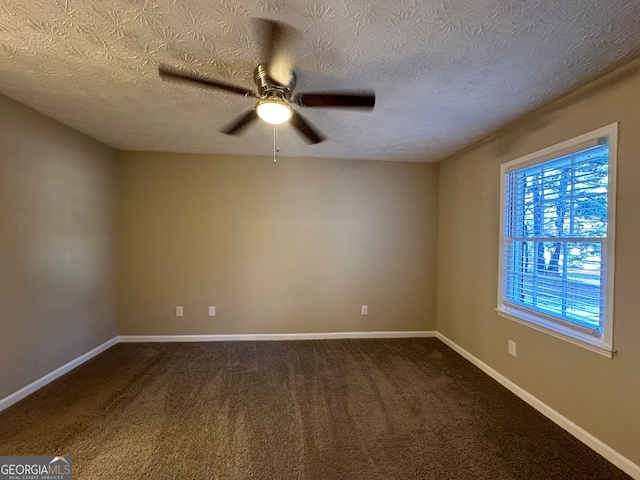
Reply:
x=555, y=237
x=558, y=154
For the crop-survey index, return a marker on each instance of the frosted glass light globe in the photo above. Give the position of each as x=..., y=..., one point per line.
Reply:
x=274, y=110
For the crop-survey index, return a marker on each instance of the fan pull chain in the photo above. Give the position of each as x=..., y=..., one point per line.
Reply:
x=275, y=142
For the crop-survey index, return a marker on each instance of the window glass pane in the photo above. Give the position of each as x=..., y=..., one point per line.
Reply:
x=561, y=198
x=558, y=278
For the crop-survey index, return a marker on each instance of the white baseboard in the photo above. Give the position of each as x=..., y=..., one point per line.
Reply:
x=619, y=460
x=271, y=336
x=15, y=397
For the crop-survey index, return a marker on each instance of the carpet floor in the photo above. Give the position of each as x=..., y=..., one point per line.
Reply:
x=326, y=409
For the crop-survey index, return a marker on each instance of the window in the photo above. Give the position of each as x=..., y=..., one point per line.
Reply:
x=556, y=232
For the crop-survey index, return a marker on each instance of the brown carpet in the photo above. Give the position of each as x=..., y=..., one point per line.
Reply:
x=327, y=409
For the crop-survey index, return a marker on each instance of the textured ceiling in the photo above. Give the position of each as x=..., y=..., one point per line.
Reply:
x=445, y=72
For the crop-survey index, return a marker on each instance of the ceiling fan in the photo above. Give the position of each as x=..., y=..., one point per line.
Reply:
x=276, y=82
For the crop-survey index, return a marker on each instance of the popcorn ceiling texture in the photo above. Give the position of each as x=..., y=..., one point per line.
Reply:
x=445, y=72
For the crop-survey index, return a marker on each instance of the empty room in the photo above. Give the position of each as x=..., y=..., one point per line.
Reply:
x=350, y=239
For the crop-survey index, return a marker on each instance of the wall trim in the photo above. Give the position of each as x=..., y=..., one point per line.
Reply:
x=271, y=336
x=15, y=397
x=619, y=460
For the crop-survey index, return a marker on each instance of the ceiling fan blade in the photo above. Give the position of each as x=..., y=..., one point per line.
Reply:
x=174, y=74
x=240, y=123
x=279, y=43
x=365, y=100
x=307, y=131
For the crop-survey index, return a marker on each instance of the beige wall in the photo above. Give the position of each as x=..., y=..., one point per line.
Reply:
x=599, y=394
x=56, y=227
x=293, y=247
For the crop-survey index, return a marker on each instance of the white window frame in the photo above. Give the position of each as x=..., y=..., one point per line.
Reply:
x=602, y=345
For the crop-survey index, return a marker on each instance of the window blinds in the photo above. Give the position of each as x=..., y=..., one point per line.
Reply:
x=555, y=237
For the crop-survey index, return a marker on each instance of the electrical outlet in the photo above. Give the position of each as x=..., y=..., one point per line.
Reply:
x=512, y=348
x=364, y=310
x=179, y=311
x=212, y=311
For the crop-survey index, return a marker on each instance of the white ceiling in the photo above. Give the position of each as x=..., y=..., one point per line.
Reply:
x=446, y=72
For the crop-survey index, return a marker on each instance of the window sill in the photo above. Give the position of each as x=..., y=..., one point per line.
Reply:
x=557, y=331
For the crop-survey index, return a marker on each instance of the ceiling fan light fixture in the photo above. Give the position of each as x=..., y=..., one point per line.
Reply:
x=274, y=110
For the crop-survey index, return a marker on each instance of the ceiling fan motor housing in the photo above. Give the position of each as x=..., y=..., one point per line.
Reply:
x=267, y=86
